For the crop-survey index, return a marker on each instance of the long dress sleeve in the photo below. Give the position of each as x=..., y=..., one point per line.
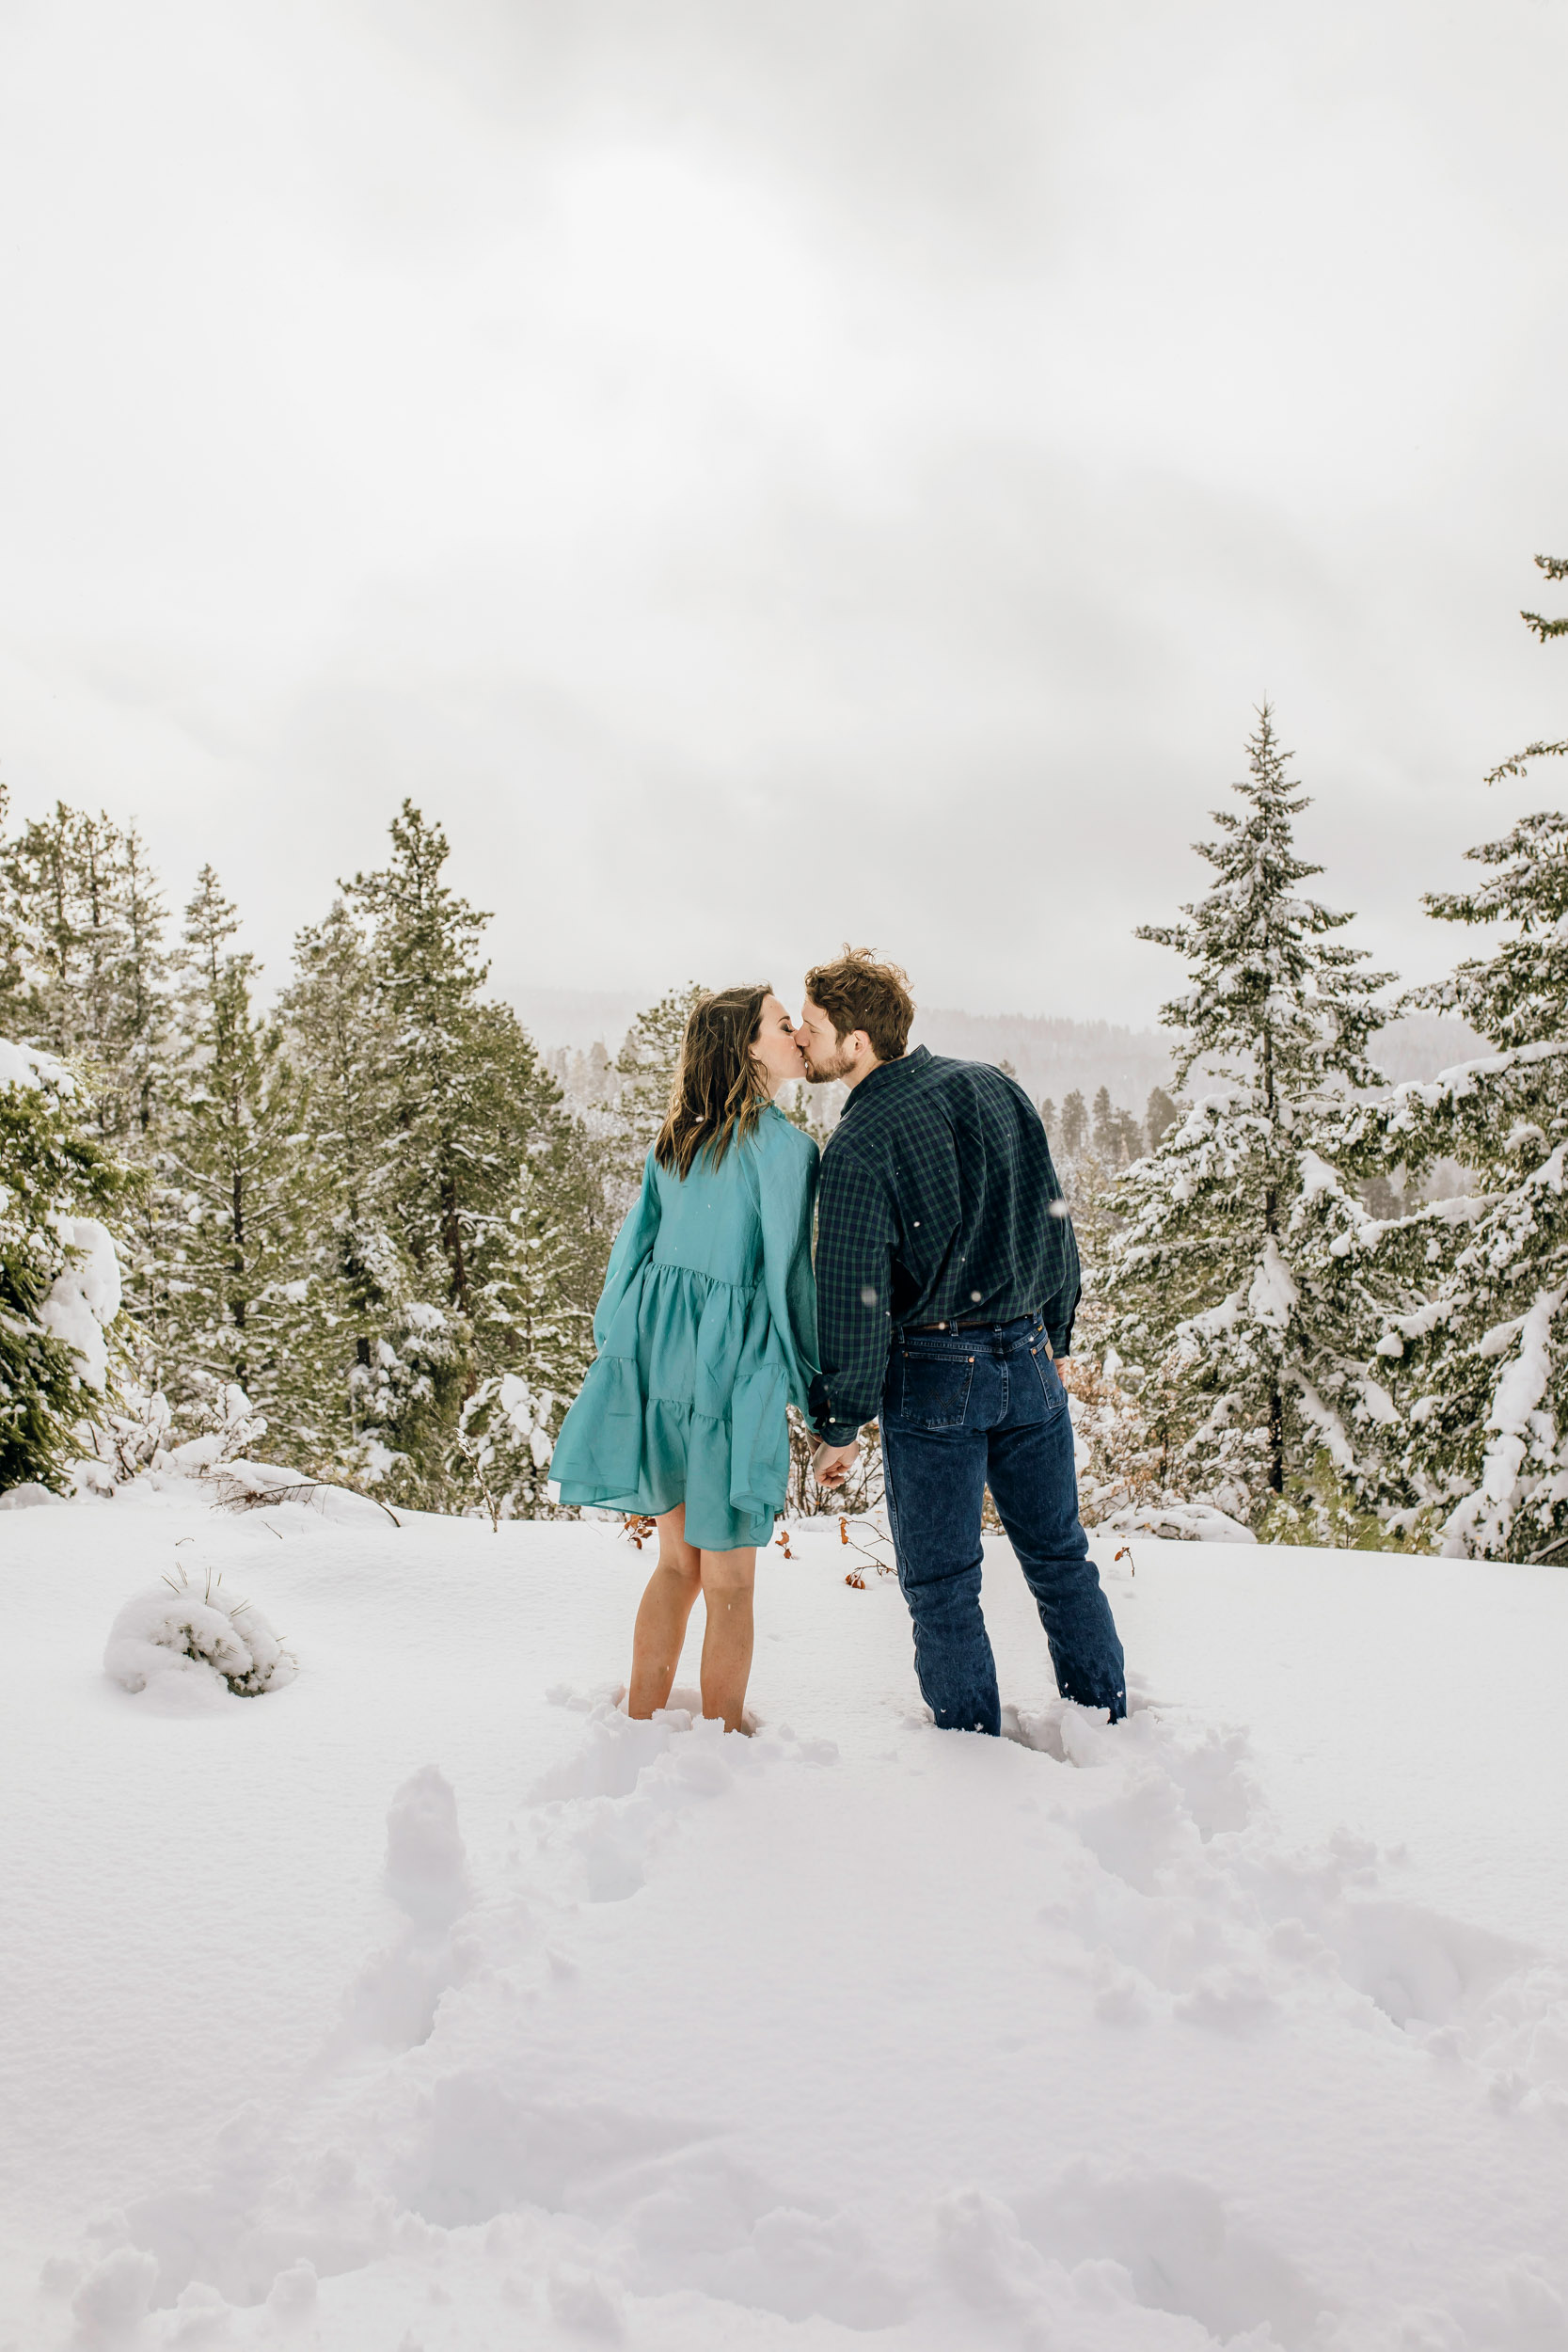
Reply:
x=634, y=1246
x=598, y=1453
x=789, y=1192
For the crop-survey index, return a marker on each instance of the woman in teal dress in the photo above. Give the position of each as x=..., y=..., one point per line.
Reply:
x=706, y=1331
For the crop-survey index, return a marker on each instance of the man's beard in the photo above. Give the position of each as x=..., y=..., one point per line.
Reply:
x=822, y=1073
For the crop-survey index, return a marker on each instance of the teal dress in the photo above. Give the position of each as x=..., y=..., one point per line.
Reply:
x=707, y=1330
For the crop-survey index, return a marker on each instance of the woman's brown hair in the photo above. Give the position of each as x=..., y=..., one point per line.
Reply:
x=719, y=1091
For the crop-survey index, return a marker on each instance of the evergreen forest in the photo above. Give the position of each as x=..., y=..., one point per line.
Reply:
x=358, y=1228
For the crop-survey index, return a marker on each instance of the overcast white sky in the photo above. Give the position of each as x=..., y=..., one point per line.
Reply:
x=764, y=470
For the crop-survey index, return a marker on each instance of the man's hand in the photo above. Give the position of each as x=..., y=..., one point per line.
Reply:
x=832, y=1464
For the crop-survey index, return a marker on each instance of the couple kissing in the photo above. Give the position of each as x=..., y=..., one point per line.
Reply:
x=939, y=1302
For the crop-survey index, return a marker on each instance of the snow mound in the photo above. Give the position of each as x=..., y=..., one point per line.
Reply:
x=427, y=1865
x=84, y=1299
x=189, y=1648
x=29, y=1495
x=1176, y=1522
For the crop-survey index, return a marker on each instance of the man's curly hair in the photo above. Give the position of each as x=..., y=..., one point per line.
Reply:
x=857, y=992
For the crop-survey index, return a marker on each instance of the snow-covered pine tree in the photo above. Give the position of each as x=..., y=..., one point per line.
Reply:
x=87, y=916
x=646, y=1066
x=1479, y=1367
x=467, y=1110
x=466, y=1097
x=362, y=1278
x=143, y=1034
x=239, y=1288
x=85, y=970
x=59, y=1282
x=1232, y=1288
x=529, y=1322
x=13, y=981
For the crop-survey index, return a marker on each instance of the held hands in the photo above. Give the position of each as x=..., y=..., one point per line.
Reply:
x=831, y=1464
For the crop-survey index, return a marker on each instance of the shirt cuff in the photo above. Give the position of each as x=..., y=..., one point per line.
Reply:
x=838, y=1432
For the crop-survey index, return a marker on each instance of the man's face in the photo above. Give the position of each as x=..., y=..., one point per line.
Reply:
x=818, y=1040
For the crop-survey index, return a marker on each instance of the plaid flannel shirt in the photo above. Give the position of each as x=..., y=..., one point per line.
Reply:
x=936, y=1204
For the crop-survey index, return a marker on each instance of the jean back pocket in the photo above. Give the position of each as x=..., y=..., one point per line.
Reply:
x=933, y=1390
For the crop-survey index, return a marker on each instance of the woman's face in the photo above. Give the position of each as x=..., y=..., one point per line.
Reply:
x=774, y=1046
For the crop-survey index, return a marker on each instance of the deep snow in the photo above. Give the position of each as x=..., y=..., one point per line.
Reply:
x=426, y=2002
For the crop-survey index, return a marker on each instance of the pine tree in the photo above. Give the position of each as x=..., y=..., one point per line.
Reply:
x=1160, y=1117
x=1233, y=1283
x=529, y=1325
x=240, y=1292
x=1075, y=1125
x=646, y=1066
x=437, y=1090
x=143, y=1027
x=85, y=976
x=474, y=1151
x=86, y=919
x=60, y=1284
x=1478, y=1365
x=362, y=1277
x=13, y=981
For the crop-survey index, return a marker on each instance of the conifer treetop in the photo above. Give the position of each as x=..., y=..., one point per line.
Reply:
x=426, y=935
x=1554, y=568
x=210, y=922
x=1519, y=996
x=1276, y=1000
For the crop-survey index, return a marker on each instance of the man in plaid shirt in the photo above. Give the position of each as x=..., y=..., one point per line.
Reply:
x=946, y=1284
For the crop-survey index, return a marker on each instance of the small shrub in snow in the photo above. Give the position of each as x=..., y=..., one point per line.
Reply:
x=182, y=1633
x=133, y=1434
x=504, y=1443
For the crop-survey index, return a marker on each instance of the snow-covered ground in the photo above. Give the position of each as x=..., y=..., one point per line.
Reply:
x=1245, y=2023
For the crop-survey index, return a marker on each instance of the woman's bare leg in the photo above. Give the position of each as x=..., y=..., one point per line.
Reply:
x=665, y=1606
x=727, y=1581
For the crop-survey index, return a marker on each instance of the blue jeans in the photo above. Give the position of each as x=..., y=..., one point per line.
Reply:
x=965, y=1410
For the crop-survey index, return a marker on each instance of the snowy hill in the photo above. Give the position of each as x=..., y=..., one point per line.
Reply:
x=1246, y=2023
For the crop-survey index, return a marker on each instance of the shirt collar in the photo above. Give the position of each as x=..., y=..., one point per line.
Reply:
x=885, y=1074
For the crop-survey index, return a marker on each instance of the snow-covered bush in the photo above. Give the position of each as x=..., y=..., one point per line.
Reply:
x=59, y=1277
x=1118, y=1460
x=405, y=1397
x=178, y=1634
x=505, y=1439
x=133, y=1434
x=1178, y=1522
x=226, y=1426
